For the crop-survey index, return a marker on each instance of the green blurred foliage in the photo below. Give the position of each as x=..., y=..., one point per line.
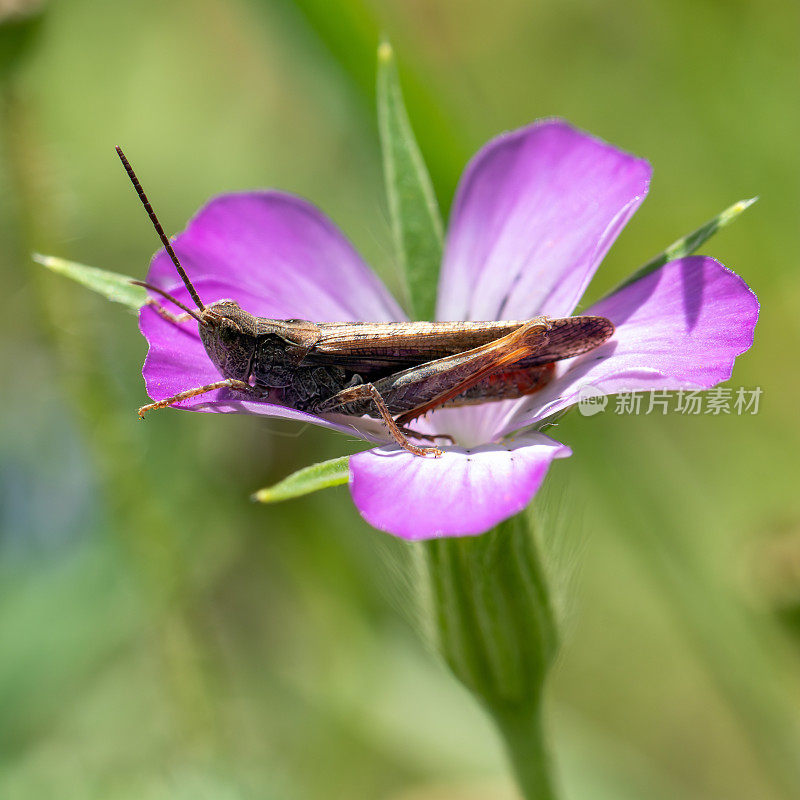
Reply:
x=163, y=637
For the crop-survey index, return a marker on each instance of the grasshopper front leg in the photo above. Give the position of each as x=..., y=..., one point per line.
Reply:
x=228, y=383
x=175, y=319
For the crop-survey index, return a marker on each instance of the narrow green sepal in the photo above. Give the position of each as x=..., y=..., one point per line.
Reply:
x=309, y=479
x=688, y=244
x=113, y=286
x=495, y=626
x=414, y=212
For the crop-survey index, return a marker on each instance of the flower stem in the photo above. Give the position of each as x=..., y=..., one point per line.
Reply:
x=494, y=626
x=525, y=746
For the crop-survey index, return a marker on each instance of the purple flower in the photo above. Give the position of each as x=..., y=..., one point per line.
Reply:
x=536, y=211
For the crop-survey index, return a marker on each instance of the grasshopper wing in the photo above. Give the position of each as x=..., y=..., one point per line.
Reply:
x=413, y=391
x=571, y=336
x=377, y=349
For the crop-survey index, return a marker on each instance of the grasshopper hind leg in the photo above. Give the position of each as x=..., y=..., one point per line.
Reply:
x=410, y=433
x=398, y=434
x=362, y=392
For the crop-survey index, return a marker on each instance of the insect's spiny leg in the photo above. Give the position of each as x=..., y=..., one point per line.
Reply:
x=366, y=391
x=175, y=319
x=428, y=437
x=228, y=383
x=397, y=434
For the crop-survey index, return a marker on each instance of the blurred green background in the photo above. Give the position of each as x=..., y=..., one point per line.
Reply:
x=161, y=636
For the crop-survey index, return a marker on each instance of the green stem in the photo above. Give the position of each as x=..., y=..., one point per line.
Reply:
x=524, y=741
x=494, y=626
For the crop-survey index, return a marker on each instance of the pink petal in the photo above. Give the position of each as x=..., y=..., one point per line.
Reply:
x=282, y=248
x=535, y=213
x=465, y=492
x=176, y=361
x=680, y=327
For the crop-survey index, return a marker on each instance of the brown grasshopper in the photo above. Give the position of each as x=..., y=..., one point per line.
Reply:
x=394, y=371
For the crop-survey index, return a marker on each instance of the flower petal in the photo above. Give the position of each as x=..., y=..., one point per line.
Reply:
x=280, y=247
x=680, y=327
x=535, y=213
x=465, y=492
x=176, y=361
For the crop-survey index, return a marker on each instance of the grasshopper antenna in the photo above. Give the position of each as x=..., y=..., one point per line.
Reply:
x=190, y=311
x=159, y=230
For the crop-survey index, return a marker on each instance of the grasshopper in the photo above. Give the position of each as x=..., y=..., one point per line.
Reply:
x=393, y=371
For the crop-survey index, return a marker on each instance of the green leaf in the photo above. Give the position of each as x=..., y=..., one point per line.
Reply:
x=309, y=479
x=113, y=286
x=689, y=243
x=416, y=221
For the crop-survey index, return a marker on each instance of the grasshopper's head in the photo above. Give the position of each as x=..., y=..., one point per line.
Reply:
x=229, y=336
